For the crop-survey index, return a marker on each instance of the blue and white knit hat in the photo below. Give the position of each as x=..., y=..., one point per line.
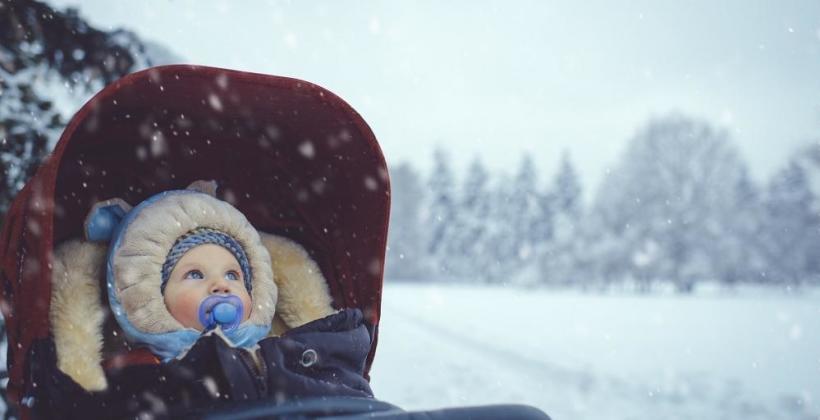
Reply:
x=146, y=242
x=202, y=236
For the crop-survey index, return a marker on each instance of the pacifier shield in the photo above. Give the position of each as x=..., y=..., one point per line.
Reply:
x=225, y=311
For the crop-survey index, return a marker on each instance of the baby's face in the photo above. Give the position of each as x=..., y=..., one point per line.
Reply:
x=203, y=271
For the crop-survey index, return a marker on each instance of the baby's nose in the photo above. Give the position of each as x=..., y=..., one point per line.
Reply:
x=220, y=289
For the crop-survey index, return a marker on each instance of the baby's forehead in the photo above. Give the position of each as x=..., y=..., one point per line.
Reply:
x=208, y=254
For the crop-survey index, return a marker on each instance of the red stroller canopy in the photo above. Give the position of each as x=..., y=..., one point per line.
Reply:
x=293, y=157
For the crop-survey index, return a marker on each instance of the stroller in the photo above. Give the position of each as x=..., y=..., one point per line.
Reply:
x=294, y=158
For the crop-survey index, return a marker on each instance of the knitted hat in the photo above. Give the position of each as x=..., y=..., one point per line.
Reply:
x=202, y=236
x=148, y=240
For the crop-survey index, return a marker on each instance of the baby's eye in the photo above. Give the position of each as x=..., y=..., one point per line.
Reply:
x=195, y=275
x=231, y=275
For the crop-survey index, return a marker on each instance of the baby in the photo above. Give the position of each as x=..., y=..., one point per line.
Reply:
x=190, y=279
x=182, y=263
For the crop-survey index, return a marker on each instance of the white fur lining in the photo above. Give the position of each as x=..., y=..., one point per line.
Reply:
x=151, y=235
x=77, y=313
x=303, y=291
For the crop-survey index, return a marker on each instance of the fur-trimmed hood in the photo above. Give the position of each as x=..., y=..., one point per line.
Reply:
x=140, y=242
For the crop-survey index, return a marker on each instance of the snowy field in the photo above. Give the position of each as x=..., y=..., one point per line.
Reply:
x=721, y=355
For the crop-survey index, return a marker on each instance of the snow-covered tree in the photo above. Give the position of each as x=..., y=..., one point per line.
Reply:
x=500, y=249
x=51, y=62
x=739, y=256
x=671, y=202
x=792, y=221
x=407, y=257
x=469, y=244
x=600, y=260
x=29, y=125
x=512, y=214
x=559, y=259
x=566, y=188
x=440, y=221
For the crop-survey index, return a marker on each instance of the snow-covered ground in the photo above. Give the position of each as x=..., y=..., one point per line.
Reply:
x=743, y=355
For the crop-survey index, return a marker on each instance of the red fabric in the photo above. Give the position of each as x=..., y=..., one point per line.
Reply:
x=293, y=157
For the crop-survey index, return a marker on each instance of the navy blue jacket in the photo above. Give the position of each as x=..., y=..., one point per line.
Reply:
x=323, y=358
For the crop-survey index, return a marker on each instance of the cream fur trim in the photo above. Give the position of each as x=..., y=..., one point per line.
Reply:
x=304, y=295
x=278, y=327
x=149, y=237
x=77, y=313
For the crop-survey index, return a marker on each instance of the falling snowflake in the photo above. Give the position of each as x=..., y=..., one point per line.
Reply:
x=307, y=150
x=215, y=102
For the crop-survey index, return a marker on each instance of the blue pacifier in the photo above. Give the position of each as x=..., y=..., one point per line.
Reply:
x=224, y=311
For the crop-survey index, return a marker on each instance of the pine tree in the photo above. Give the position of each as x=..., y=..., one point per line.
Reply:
x=470, y=235
x=501, y=237
x=442, y=217
x=558, y=263
x=525, y=204
x=516, y=210
x=406, y=254
x=567, y=188
x=739, y=255
x=792, y=227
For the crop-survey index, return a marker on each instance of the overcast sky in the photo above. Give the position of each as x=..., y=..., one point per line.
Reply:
x=499, y=79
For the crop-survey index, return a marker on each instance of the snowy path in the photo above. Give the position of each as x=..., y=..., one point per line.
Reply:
x=600, y=356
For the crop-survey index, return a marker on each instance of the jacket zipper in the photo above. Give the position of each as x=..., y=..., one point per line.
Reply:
x=257, y=368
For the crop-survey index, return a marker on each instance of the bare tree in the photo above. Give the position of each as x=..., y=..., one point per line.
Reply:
x=671, y=202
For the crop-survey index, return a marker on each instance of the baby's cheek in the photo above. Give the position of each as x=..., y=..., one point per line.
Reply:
x=185, y=309
x=246, y=302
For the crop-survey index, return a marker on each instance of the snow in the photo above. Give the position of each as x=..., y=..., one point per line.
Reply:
x=745, y=354
x=307, y=150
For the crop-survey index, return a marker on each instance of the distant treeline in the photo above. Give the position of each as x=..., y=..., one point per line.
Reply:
x=678, y=208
